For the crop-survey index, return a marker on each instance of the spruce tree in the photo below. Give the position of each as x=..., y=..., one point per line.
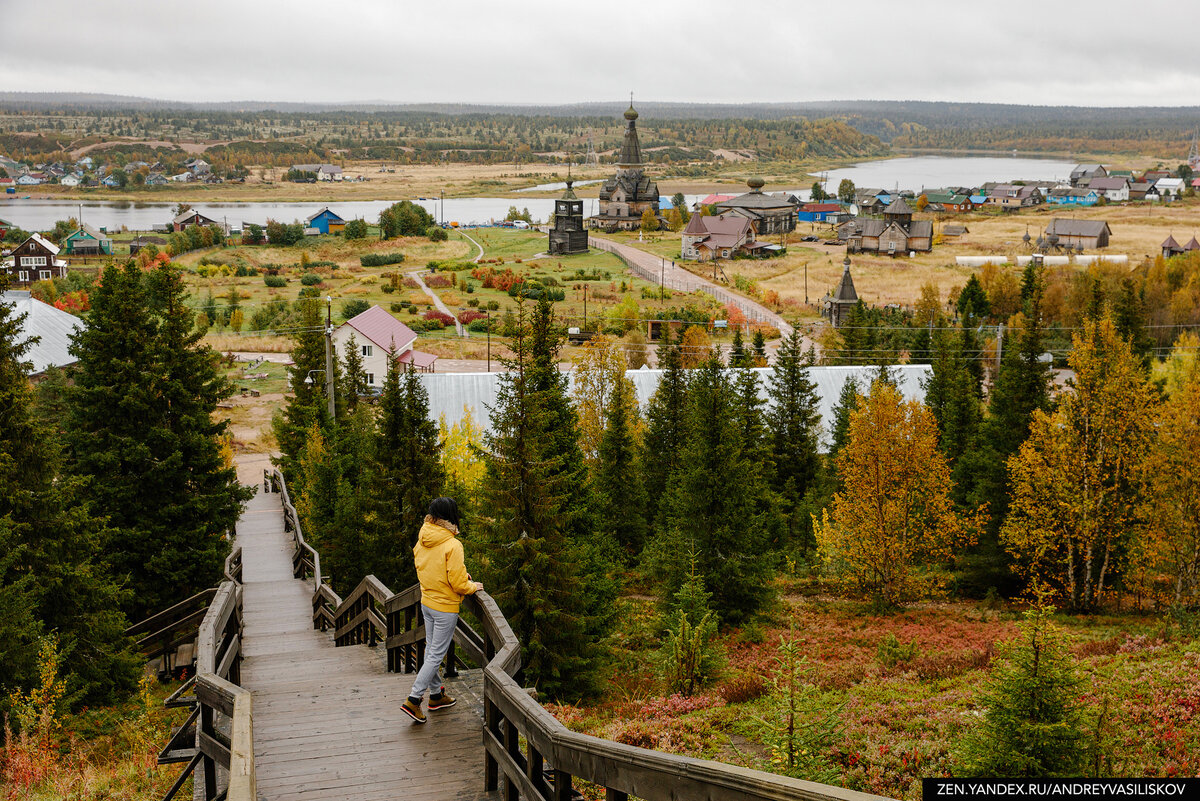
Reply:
x=665, y=425
x=848, y=399
x=308, y=404
x=738, y=355
x=973, y=304
x=406, y=474
x=951, y=394
x=141, y=433
x=712, y=503
x=52, y=572
x=1022, y=386
x=760, y=347
x=794, y=423
x=354, y=378
x=1129, y=315
x=532, y=566
x=620, y=486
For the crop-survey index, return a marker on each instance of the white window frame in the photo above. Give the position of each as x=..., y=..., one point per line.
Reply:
x=23, y=276
x=45, y=275
x=33, y=261
x=366, y=351
x=371, y=379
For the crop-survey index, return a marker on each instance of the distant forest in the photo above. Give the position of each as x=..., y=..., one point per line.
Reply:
x=38, y=126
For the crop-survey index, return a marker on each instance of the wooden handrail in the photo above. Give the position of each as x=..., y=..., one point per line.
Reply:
x=512, y=715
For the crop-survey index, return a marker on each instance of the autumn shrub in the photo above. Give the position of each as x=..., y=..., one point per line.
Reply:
x=438, y=281
x=689, y=657
x=1105, y=647
x=934, y=667
x=439, y=316
x=470, y=315
x=380, y=259
x=275, y=281
x=891, y=652
x=742, y=688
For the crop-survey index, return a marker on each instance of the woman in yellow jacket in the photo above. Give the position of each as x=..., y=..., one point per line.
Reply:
x=444, y=583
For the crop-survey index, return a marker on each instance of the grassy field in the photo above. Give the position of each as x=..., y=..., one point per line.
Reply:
x=601, y=276
x=901, y=710
x=1137, y=232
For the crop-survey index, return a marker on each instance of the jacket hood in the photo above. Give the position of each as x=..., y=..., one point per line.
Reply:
x=435, y=532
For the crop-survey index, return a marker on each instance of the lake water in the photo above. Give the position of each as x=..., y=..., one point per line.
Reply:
x=936, y=172
x=913, y=173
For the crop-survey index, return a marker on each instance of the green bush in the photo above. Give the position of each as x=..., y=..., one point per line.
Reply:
x=478, y=326
x=398, y=308
x=380, y=259
x=310, y=279
x=275, y=281
x=892, y=652
x=388, y=289
x=355, y=229
x=310, y=292
x=437, y=234
x=354, y=307
x=493, y=305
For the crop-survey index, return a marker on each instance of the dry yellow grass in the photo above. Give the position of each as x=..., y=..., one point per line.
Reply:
x=224, y=343
x=1137, y=231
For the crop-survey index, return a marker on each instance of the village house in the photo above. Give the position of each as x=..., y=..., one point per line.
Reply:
x=896, y=233
x=47, y=330
x=5, y=225
x=1072, y=196
x=1138, y=189
x=818, y=212
x=1090, y=234
x=377, y=334
x=626, y=196
x=70, y=180
x=35, y=259
x=325, y=222
x=949, y=202
x=769, y=213
x=186, y=219
x=1086, y=172
x=721, y=237
x=156, y=179
x=87, y=241
x=1169, y=188
x=1014, y=196
x=322, y=172
x=1113, y=189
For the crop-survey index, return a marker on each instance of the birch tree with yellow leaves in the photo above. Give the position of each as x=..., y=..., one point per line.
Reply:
x=1077, y=481
x=893, y=518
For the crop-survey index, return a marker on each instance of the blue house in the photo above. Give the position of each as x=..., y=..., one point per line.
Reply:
x=1072, y=196
x=817, y=212
x=326, y=222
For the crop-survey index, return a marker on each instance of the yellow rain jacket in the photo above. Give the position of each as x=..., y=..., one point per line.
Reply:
x=440, y=569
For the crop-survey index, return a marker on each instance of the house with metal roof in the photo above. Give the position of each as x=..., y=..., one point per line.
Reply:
x=35, y=259
x=721, y=237
x=1086, y=172
x=1112, y=188
x=325, y=221
x=87, y=241
x=1072, y=196
x=1075, y=233
x=818, y=212
x=949, y=201
x=768, y=213
x=376, y=334
x=322, y=172
x=51, y=328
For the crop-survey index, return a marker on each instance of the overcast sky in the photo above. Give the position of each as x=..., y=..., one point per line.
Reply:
x=1057, y=52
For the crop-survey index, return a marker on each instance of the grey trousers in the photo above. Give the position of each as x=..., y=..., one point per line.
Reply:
x=439, y=633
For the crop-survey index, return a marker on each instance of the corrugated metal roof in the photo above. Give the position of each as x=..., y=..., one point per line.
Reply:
x=381, y=328
x=452, y=393
x=53, y=328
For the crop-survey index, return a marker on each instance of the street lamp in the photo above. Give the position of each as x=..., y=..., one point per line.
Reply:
x=308, y=379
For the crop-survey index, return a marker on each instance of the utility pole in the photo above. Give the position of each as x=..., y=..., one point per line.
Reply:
x=661, y=274
x=584, y=308
x=999, y=348
x=329, y=387
x=488, y=312
x=805, y=283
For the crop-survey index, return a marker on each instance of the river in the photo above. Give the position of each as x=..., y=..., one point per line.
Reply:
x=913, y=173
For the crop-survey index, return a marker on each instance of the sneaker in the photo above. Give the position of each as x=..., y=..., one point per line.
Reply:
x=440, y=701
x=413, y=711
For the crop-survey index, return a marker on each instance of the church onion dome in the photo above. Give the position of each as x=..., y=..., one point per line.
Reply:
x=630, y=114
x=756, y=184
